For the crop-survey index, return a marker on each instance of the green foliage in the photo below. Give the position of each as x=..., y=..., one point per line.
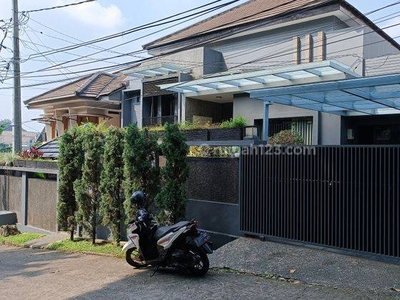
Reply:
x=83, y=246
x=70, y=161
x=111, y=182
x=5, y=124
x=216, y=151
x=7, y=158
x=141, y=171
x=236, y=122
x=19, y=239
x=287, y=137
x=172, y=200
x=87, y=188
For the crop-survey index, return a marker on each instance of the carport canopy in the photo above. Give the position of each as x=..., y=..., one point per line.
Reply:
x=326, y=86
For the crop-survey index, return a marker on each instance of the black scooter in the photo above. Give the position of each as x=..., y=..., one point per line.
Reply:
x=181, y=246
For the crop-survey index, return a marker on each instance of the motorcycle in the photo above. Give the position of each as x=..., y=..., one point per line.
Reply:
x=181, y=246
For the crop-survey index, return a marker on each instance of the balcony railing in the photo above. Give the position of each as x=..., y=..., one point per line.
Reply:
x=159, y=121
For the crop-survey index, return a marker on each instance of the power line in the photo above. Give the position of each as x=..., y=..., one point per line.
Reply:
x=124, y=64
x=139, y=28
x=382, y=8
x=159, y=22
x=56, y=7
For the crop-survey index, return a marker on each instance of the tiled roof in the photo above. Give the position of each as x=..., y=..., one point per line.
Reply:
x=251, y=11
x=50, y=149
x=94, y=86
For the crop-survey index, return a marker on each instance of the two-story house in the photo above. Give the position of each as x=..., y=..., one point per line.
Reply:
x=318, y=66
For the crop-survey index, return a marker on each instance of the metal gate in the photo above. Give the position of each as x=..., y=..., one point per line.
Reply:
x=340, y=196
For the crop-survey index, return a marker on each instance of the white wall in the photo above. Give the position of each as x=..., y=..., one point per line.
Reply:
x=252, y=109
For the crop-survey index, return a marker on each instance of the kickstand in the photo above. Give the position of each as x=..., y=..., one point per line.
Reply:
x=155, y=270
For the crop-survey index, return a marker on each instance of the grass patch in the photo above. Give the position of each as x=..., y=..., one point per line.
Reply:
x=84, y=246
x=19, y=239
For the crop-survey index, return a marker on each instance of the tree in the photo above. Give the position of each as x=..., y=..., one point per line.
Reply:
x=111, y=182
x=287, y=137
x=172, y=199
x=87, y=188
x=141, y=170
x=5, y=125
x=70, y=162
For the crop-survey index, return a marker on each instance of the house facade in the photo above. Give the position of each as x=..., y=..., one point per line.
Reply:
x=95, y=98
x=229, y=64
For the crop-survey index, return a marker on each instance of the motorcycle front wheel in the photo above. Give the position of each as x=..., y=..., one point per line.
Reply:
x=201, y=266
x=133, y=258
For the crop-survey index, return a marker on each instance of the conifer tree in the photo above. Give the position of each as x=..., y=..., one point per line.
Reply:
x=111, y=182
x=172, y=199
x=87, y=188
x=141, y=171
x=70, y=162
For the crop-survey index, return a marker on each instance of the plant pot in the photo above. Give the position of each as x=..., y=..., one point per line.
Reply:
x=196, y=135
x=226, y=134
x=35, y=164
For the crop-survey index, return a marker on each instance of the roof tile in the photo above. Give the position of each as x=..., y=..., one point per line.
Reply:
x=253, y=10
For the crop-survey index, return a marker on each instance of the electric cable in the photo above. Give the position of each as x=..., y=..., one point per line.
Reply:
x=124, y=64
x=57, y=7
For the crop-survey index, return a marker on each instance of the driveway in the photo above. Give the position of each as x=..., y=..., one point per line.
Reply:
x=39, y=274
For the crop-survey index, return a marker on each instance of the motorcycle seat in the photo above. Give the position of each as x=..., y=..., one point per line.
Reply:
x=162, y=231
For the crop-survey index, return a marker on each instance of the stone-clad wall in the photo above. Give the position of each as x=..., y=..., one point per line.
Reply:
x=213, y=179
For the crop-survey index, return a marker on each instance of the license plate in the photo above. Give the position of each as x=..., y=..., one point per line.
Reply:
x=203, y=238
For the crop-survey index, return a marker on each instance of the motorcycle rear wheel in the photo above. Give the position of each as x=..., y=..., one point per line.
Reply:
x=202, y=265
x=132, y=257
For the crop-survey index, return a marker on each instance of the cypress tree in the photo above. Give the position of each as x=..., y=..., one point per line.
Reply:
x=87, y=188
x=70, y=161
x=172, y=199
x=141, y=171
x=111, y=182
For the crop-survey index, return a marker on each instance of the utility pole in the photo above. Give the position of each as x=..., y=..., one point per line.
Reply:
x=17, y=126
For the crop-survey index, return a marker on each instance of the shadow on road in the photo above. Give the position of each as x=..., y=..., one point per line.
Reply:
x=30, y=263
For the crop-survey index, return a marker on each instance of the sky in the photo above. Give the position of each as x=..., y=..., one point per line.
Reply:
x=51, y=29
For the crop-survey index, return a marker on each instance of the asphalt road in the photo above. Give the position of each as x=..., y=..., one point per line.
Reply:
x=39, y=274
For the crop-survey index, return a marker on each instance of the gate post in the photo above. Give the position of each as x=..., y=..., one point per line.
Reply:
x=24, y=199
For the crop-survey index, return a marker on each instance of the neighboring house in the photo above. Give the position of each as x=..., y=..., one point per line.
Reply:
x=28, y=139
x=269, y=61
x=95, y=98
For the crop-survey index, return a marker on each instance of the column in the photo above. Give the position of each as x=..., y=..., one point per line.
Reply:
x=266, y=120
x=24, y=199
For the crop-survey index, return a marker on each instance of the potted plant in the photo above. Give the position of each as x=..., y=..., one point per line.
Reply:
x=229, y=130
x=194, y=131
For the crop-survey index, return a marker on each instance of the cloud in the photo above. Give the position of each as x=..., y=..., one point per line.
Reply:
x=96, y=15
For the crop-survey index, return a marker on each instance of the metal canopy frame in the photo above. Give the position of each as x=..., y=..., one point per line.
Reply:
x=155, y=70
x=358, y=96
x=326, y=86
x=268, y=78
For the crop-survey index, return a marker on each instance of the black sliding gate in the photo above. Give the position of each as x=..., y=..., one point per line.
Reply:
x=340, y=196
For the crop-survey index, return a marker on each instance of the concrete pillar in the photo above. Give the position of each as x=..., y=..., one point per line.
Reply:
x=308, y=45
x=183, y=108
x=321, y=46
x=24, y=199
x=297, y=50
x=266, y=121
x=58, y=199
